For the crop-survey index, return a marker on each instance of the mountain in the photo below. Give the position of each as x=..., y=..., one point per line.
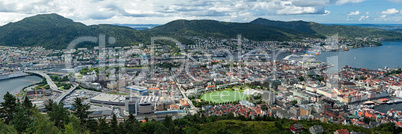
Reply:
x=211, y=28
x=55, y=31
x=328, y=30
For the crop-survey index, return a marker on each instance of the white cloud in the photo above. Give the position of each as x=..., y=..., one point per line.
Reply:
x=363, y=18
x=396, y=1
x=390, y=11
x=341, y=2
x=162, y=11
x=354, y=13
x=383, y=16
x=367, y=12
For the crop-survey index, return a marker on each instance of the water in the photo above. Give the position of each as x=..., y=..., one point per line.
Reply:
x=385, y=108
x=390, y=55
x=16, y=84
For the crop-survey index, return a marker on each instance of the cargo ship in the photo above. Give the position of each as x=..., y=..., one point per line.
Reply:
x=8, y=75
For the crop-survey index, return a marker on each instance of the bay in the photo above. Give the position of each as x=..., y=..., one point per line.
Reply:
x=16, y=84
x=390, y=55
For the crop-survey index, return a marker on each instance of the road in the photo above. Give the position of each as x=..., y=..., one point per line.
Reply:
x=193, y=109
x=64, y=94
x=48, y=79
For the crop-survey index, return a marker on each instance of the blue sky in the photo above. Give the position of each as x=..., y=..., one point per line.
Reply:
x=163, y=11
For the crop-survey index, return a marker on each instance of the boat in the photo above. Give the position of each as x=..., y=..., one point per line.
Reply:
x=294, y=57
x=312, y=52
x=397, y=101
x=8, y=75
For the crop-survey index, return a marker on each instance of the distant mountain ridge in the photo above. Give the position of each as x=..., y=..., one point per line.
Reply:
x=212, y=28
x=328, y=30
x=56, y=32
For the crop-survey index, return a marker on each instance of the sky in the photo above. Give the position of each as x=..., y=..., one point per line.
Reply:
x=163, y=11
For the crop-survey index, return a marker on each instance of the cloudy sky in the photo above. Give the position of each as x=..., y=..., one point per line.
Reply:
x=163, y=11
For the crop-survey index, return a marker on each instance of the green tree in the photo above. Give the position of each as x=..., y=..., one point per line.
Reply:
x=41, y=124
x=169, y=124
x=73, y=127
x=81, y=110
x=114, y=125
x=131, y=125
x=6, y=129
x=59, y=115
x=8, y=108
x=27, y=103
x=294, y=102
x=45, y=126
x=49, y=105
x=21, y=118
x=103, y=127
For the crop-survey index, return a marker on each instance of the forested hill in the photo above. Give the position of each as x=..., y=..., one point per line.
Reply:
x=328, y=30
x=211, y=28
x=56, y=32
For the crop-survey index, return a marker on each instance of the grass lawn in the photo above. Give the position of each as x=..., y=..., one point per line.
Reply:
x=224, y=96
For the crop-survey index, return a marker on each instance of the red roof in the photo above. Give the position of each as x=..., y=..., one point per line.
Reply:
x=342, y=131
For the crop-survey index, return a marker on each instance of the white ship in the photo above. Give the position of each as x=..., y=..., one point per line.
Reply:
x=8, y=75
x=294, y=57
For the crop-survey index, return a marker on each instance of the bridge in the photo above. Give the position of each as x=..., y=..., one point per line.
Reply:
x=64, y=94
x=48, y=79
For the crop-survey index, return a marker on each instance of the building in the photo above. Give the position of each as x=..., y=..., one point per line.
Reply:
x=341, y=131
x=131, y=105
x=305, y=110
x=268, y=97
x=141, y=90
x=112, y=85
x=109, y=99
x=297, y=128
x=316, y=129
x=145, y=108
x=246, y=103
x=295, y=111
x=97, y=114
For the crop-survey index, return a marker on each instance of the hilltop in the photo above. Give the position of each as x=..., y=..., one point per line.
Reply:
x=328, y=30
x=56, y=32
x=212, y=28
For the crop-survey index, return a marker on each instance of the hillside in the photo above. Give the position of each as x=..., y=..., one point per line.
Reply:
x=328, y=30
x=55, y=31
x=211, y=28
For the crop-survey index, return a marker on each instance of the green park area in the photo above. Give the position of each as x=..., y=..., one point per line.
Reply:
x=224, y=96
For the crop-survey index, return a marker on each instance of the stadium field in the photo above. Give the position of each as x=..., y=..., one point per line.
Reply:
x=224, y=96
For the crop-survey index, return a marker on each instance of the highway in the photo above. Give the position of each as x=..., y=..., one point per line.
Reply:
x=54, y=87
x=48, y=79
x=64, y=94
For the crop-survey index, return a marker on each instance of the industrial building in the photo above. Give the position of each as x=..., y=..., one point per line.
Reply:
x=109, y=99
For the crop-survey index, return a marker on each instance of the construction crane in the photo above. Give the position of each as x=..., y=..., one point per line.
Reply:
x=36, y=93
x=44, y=94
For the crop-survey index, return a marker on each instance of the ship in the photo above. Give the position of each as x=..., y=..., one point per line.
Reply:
x=4, y=76
x=294, y=57
x=312, y=52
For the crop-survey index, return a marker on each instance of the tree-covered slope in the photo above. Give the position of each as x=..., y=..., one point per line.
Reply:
x=55, y=31
x=211, y=28
x=328, y=30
